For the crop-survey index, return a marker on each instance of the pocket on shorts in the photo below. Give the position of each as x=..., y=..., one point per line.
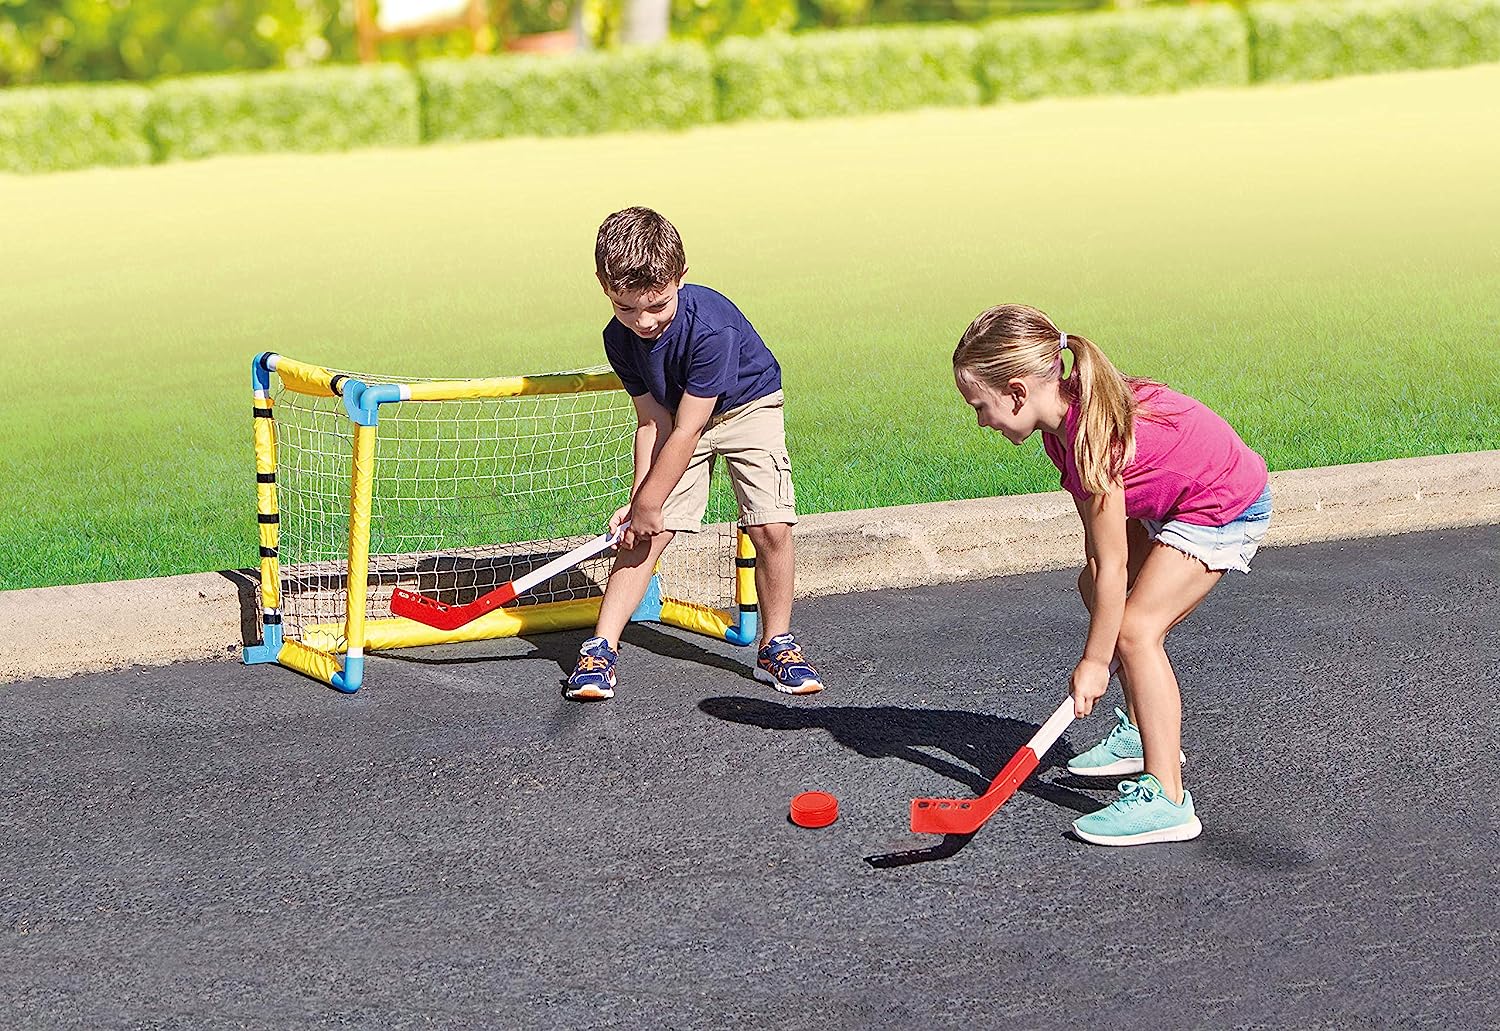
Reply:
x=786, y=494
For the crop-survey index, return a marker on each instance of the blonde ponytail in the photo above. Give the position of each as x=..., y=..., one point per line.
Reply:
x=1105, y=443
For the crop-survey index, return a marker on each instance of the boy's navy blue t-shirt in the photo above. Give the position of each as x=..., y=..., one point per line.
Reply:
x=709, y=350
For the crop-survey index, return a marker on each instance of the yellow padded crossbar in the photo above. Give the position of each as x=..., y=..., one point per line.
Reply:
x=698, y=618
x=515, y=386
x=302, y=378
x=395, y=632
x=316, y=664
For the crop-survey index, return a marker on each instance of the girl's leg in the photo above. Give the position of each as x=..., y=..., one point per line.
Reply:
x=627, y=586
x=1168, y=588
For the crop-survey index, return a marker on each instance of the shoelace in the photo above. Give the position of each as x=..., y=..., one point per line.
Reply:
x=1133, y=791
x=592, y=662
x=787, y=656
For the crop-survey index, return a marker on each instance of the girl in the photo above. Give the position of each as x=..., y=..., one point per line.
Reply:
x=1170, y=497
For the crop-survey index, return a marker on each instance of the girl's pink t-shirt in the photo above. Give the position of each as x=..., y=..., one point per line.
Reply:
x=1189, y=463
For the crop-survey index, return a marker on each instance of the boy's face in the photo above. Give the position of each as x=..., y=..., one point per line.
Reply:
x=646, y=313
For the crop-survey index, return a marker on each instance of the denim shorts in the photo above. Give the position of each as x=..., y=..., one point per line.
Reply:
x=1230, y=546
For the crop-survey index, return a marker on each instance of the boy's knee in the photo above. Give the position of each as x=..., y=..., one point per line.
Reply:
x=644, y=548
x=769, y=537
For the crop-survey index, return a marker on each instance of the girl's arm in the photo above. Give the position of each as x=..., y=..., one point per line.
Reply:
x=1106, y=551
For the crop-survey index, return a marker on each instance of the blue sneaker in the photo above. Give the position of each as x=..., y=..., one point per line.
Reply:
x=593, y=678
x=782, y=665
x=1118, y=755
x=1141, y=815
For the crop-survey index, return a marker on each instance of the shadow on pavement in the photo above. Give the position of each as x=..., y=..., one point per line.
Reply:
x=976, y=740
x=562, y=648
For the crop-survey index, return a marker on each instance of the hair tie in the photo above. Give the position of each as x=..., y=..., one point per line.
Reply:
x=1062, y=341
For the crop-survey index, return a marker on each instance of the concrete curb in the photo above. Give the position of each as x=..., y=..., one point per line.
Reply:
x=59, y=631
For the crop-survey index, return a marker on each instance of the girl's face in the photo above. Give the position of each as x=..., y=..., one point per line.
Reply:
x=1004, y=410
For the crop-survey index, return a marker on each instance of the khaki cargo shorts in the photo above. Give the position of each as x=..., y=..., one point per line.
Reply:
x=752, y=441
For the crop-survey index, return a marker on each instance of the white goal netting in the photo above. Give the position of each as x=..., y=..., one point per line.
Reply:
x=468, y=495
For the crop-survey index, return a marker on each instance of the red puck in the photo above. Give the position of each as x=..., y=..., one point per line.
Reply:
x=814, y=809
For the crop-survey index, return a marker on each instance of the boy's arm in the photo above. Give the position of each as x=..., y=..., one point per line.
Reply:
x=652, y=424
x=669, y=460
x=1107, y=550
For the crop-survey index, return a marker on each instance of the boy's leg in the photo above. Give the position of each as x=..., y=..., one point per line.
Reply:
x=631, y=575
x=1169, y=587
x=627, y=586
x=775, y=571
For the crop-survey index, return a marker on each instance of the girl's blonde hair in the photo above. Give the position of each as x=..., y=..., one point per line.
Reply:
x=1012, y=341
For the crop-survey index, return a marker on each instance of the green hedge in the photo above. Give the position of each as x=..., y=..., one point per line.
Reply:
x=1126, y=52
x=307, y=110
x=1321, y=40
x=49, y=129
x=665, y=87
x=682, y=84
x=847, y=72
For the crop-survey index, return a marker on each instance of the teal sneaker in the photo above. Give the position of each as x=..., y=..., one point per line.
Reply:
x=1141, y=815
x=1118, y=755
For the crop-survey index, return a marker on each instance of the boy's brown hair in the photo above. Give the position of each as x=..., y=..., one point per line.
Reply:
x=637, y=249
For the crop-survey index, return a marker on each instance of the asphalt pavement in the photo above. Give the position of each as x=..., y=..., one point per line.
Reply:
x=208, y=845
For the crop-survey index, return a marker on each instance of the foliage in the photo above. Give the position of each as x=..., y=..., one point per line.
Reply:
x=846, y=72
x=1316, y=41
x=94, y=40
x=669, y=86
x=1126, y=52
x=713, y=20
x=308, y=110
x=51, y=129
x=529, y=16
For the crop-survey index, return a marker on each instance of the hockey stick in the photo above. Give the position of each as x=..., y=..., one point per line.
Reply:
x=450, y=617
x=967, y=815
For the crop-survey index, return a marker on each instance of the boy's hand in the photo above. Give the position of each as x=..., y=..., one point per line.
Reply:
x=1090, y=681
x=621, y=514
x=645, y=523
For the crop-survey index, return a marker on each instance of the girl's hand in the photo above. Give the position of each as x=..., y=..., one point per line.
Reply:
x=1090, y=681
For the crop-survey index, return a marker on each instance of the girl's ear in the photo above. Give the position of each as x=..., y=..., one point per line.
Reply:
x=1016, y=391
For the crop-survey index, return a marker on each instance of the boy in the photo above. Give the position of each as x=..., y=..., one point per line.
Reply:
x=704, y=384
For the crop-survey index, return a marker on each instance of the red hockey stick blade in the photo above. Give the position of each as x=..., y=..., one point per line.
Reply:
x=967, y=815
x=450, y=617
x=447, y=617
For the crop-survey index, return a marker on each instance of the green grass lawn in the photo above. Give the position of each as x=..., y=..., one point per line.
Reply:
x=1318, y=262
